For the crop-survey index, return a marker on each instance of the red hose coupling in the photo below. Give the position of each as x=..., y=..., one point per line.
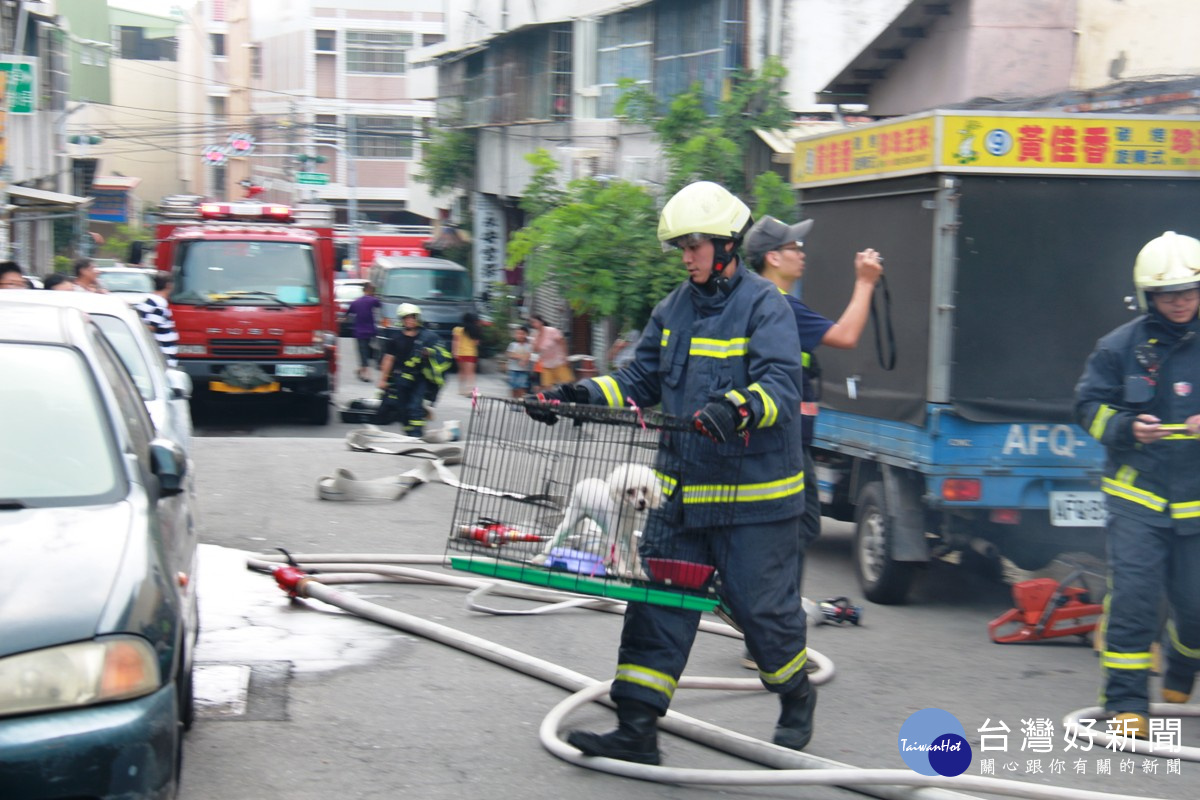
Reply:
x=290, y=579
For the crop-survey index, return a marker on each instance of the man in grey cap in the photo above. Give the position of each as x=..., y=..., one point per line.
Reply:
x=775, y=250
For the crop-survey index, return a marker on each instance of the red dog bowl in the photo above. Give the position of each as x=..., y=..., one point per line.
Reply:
x=674, y=572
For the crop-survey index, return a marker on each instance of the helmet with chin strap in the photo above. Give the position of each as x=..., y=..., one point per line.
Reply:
x=408, y=310
x=1168, y=263
x=704, y=211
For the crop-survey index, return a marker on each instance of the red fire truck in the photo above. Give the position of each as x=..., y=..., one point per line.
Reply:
x=386, y=240
x=253, y=298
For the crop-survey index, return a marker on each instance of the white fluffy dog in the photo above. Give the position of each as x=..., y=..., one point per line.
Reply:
x=616, y=506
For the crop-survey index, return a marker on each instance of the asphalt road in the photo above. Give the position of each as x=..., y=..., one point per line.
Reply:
x=300, y=700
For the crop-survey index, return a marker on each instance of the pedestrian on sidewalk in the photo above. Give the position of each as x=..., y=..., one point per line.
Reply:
x=519, y=356
x=464, y=346
x=365, y=310
x=551, y=349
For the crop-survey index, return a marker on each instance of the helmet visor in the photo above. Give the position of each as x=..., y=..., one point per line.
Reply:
x=1174, y=288
x=686, y=240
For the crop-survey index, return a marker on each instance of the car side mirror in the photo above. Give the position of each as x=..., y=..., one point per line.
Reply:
x=180, y=383
x=169, y=465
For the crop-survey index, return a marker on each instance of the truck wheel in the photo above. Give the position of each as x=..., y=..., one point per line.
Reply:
x=882, y=579
x=316, y=409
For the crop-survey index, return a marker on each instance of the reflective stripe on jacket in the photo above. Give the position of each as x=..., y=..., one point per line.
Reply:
x=741, y=346
x=1158, y=483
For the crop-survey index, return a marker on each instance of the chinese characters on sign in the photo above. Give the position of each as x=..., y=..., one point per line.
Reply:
x=489, y=242
x=1037, y=738
x=1071, y=143
x=878, y=149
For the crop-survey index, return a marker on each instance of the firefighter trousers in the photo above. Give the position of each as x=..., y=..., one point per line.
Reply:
x=757, y=566
x=404, y=402
x=1142, y=560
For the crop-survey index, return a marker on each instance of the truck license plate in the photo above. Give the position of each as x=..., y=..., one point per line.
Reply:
x=1077, y=509
x=291, y=370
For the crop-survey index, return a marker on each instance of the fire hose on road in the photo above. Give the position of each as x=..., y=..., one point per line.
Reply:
x=789, y=767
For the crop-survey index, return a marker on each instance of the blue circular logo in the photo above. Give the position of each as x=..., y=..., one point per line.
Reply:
x=934, y=742
x=998, y=142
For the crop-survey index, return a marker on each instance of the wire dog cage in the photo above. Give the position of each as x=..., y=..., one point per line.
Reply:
x=604, y=503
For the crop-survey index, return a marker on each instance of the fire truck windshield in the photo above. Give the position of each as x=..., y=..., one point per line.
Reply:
x=245, y=273
x=427, y=284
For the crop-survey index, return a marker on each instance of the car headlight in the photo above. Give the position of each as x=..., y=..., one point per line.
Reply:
x=80, y=674
x=303, y=350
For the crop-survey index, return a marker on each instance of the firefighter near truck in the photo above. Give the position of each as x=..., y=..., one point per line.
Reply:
x=1005, y=233
x=253, y=298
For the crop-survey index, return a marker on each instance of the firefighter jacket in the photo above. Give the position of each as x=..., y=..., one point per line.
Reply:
x=422, y=366
x=1146, y=366
x=739, y=344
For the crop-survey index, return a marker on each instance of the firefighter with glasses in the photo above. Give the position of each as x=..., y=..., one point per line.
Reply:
x=721, y=349
x=1139, y=397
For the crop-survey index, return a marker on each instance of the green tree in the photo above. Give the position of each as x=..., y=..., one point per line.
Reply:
x=447, y=160
x=116, y=244
x=699, y=146
x=773, y=196
x=755, y=100
x=541, y=193
x=601, y=250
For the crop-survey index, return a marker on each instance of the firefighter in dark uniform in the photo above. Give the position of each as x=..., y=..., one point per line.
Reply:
x=1140, y=397
x=411, y=373
x=723, y=349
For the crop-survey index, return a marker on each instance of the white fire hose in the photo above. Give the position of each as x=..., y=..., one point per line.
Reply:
x=789, y=767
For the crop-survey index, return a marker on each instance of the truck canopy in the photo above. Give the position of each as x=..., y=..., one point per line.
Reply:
x=1009, y=242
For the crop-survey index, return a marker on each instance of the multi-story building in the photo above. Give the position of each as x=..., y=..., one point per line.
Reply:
x=524, y=77
x=34, y=55
x=1026, y=53
x=323, y=88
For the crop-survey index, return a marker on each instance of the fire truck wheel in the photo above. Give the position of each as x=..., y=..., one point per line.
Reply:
x=315, y=409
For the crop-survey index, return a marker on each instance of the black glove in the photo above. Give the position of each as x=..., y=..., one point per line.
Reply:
x=540, y=406
x=719, y=420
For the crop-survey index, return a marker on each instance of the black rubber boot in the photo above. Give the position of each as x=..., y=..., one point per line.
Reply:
x=635, y=739
x=795, y=726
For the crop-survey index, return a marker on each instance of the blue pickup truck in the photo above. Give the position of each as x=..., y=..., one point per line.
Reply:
x=950, y=428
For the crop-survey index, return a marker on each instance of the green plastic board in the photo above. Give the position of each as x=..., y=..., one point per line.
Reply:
x=572, y=582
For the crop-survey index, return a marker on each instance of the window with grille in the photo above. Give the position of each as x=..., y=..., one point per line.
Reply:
x=626, y=51
x=382, y=137
x=218, y=44
x=377, y=52
x=698, y=41
x=325, y=41
x=560, y=73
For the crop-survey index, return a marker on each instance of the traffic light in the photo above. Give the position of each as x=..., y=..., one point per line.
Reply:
x=305, y=158
x=241, y=144
x=215, y=156
x=84, y=139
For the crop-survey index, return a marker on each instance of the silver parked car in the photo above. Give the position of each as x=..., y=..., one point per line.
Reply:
x=131, y=284
x=164, y=390
x=97, y=592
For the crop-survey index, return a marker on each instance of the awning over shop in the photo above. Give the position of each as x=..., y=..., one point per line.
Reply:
x=24, y=197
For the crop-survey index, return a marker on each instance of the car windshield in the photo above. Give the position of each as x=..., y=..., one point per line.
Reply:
x=123, y=341
x=427, y=284
x=127, y=281
x=246, y=273
x=347, y=291
x=58, y=448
